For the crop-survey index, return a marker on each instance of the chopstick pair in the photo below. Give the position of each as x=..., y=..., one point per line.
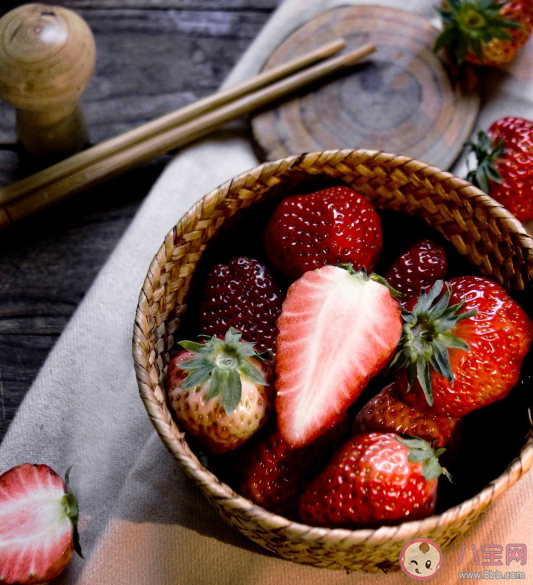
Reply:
x=176, y=129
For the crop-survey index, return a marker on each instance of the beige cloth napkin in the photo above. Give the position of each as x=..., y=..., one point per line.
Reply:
x=142, y=521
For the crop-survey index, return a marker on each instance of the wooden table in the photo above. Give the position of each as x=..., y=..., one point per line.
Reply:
x=153, y=56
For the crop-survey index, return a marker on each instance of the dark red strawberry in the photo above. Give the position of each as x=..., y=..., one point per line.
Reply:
x=244, y=295
x=463, y=349
x=332, y=226
x=388, y=413
x=274, y=474
x=505, y=164
x=374, y=479
x=38, y=517
x=338, y=328
x=416, y=270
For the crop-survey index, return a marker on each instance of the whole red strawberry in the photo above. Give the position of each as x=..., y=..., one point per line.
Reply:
x=505, y=164
x=485, y=32
x=462, y=350
x=220, y=391
x=388, y=413
x=374, y=479
x=338, y=328
x=336, y=225
x=244, y=295
x=274, y=474
x=38, y=518
x=416, y=270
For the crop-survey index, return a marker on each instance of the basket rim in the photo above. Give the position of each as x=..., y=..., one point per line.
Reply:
x=173, y=437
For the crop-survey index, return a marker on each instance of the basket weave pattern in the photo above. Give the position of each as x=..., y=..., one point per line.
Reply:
x=476, y=225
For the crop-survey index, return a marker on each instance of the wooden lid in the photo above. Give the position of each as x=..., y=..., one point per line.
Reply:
x=402, y=99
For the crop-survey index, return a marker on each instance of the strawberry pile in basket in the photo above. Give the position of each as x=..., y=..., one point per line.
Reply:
x=286, y=365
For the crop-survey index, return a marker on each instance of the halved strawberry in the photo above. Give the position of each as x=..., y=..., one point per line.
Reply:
x=38, y=517
x=337, y=329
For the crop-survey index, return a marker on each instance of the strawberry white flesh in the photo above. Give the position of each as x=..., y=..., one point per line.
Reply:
x=337, y=329
x=36, y=530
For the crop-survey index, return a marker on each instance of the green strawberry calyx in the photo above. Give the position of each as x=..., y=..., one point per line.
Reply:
x=470, y=24
x=426, y=338
x=223, y=362
x=71, y=509
x=421, y=451
x=487, y=153
x=364, y=276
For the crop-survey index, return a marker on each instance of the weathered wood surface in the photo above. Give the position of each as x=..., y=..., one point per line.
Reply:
x=153, y=56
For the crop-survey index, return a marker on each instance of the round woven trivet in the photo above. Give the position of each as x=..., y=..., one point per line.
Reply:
x=478, y=227
x=402, y=99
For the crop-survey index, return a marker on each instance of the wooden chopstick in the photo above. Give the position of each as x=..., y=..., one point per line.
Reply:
x=117, y=162
x=164, y=123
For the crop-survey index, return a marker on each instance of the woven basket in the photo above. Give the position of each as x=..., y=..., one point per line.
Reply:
x=479, y=228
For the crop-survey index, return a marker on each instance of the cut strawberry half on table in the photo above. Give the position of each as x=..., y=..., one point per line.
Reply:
x=337, y=329
x=38, y=531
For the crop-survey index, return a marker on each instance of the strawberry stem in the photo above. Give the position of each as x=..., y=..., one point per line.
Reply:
x=223, y=362
x=426, y=338
x=471, y=24
x=375, y=277
x=71, y=507
x=421, y=451
x=487, y=153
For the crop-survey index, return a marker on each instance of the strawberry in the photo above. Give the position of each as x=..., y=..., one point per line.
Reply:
x=244, y=295
x=416, y=270
x=337, y=329
x=505, y=164
x=220, y=390
x=374, y=479
x=333, y=226
x=474, y=337
x=274, y=474
x=38, y=531
x=388, y=413
x=485, y=32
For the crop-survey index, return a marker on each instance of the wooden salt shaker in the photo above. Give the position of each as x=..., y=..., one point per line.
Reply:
x=47, y=57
